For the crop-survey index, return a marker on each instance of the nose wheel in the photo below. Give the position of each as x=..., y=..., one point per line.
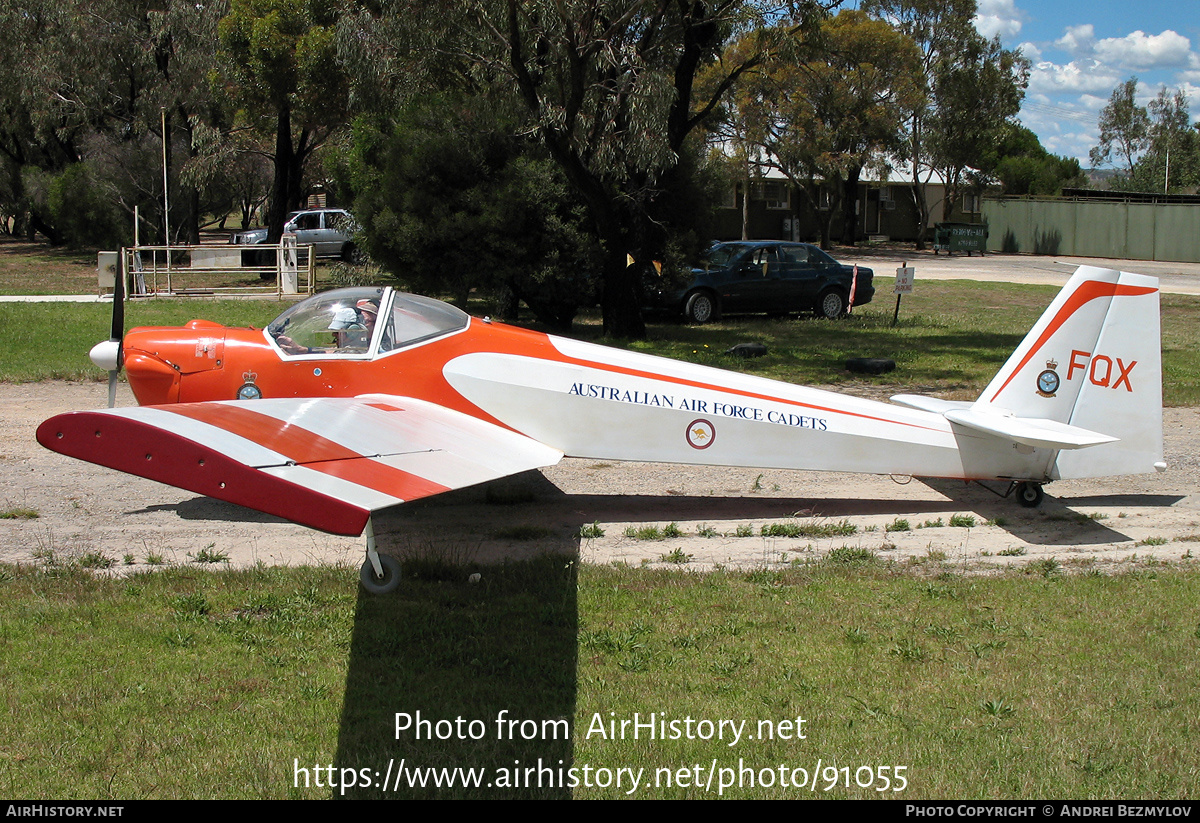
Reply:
x=380, y=573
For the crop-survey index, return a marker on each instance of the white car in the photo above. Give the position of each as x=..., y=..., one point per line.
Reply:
x=329, y=231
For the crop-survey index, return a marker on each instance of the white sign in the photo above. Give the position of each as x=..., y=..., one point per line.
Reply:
x=904, y=280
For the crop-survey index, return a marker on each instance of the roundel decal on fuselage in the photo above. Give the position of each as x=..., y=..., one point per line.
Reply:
x=701, y=434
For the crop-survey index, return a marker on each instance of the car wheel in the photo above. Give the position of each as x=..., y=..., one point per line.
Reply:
x=701, y=307
x=831, y=304
x=353, y=255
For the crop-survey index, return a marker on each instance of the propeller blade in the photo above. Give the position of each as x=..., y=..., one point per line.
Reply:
x=118, y=315
x=107, y=354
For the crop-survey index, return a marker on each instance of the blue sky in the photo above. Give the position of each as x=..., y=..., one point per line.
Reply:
x=1082, y=49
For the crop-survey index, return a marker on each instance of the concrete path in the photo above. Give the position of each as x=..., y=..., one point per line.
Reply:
x=1174, y=278
x=54, y=298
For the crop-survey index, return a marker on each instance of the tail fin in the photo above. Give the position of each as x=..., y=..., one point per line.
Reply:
x=1093, y=362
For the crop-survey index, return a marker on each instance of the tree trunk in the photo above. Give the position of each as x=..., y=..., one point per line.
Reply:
x=826, y=221
x=849, y=204
x=189, y=218
x=918, y=188
x=281, y=194
x=619, y=300
x=38, y=225
x=746, y=209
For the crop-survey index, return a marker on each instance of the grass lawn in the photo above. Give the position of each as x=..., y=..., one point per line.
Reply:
x=251, y=684
x=36, y=268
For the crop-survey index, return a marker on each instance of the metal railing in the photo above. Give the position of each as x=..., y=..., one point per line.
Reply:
x=210, y=270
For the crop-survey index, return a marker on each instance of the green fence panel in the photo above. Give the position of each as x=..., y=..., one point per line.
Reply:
x=1100, y=229
x=1133, y=231
x=1178, y=228
x=1139, y=239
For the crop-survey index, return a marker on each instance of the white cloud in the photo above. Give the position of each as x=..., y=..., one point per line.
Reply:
x=998, y=17
x=1078, y=41
x=1030, y=52
x=1139, y=50
x=1078, y=76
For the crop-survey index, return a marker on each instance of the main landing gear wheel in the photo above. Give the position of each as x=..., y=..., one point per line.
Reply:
x=373, y=583
x=380, y=574
x=1030, y=494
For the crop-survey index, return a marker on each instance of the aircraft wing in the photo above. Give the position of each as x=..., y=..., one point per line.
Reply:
x=326, y=463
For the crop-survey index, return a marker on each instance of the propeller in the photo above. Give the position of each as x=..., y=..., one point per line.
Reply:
x=107, y=353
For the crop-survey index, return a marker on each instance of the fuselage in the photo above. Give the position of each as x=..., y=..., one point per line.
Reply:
x=584, y=399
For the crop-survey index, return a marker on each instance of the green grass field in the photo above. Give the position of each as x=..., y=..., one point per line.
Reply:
x=226, y=684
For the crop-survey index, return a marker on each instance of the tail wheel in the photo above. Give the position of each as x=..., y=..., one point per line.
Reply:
x=701, y=307
x=1030, y=494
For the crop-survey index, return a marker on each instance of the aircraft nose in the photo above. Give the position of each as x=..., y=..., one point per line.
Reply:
x=105, y=353
x=153, y=380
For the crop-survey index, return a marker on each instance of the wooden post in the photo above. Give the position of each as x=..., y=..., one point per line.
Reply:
x=896, y=314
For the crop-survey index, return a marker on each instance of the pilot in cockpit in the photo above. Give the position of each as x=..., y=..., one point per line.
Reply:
x=337, y=327
x=352, y=327
x=357, y=335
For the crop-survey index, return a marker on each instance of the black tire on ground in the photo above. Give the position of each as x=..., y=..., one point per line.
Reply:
x=870, y=365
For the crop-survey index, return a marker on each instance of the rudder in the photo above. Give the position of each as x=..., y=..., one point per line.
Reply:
x=1093, y=361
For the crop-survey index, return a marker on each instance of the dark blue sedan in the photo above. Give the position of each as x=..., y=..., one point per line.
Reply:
x=773, y=277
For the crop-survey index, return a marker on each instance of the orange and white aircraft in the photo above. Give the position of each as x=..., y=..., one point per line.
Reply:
x=359, y=399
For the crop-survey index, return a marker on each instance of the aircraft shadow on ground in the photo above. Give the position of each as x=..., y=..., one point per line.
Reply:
x=1030, y=525
x=208, y=508
x=498, y=650
x=473, y=514
x=532, y=498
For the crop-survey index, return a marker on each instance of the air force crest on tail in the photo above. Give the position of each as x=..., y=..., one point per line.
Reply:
x=701, y=434
x=1047, y=381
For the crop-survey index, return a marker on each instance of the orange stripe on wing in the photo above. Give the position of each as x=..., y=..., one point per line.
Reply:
x=381, y=478
x=310, y=449
x=293, y=442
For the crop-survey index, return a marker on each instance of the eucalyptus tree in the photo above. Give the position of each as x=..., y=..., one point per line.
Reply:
x=87, y=87
x=609, y=89
x=1124, y=128
x=972, y=88
x=826, y=105
x=281, y=71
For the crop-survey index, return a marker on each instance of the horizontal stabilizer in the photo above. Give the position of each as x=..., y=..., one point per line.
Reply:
x=1030, y=431
x=930, y=404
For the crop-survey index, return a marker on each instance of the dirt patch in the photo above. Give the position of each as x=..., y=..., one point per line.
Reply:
x=720, y=513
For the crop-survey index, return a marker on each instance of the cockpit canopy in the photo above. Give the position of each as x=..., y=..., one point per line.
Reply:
x=362, y=323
